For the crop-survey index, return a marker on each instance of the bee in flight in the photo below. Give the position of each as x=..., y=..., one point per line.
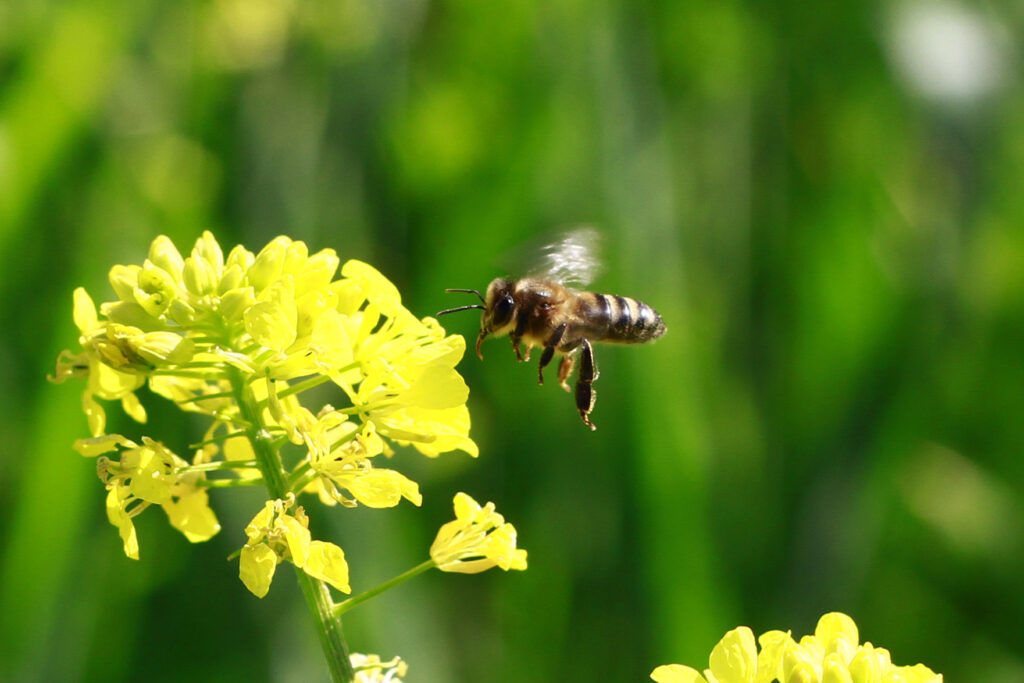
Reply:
x=542, y=309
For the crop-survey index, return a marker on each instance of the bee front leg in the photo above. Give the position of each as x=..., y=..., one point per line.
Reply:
x=549, y=350
x=585, y=394
x=517, y=336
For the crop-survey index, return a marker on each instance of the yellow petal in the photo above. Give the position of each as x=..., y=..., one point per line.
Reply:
x=122, y=520
x=155, y=291
x=235, y=302
x=317, y=270
x=84, y=311
x=298, y=538
x=206, y=248
x=268, y=264
x=94, y=414
x=108, y=383
x=432, y=432
x=465, y=507
x=124, y=280
x=272, y=322
x=501, y=547
x=133, y=408
x=769, y=659
x=128, y=313
x=438, y=388
x=838, y=633
x=471, y=566
x=734, y=658
x=257, y=527
x=151, y=482
x=919, y=673
x=199, y=276
x=326, y=561
x=98, y=445
x=164, y=348
x=676, y=673
x=379, y=289
x=192, y=516
x=330, y=337
x=241, y=258
x=835, y=670
x=165, y=255
x=798, y=665
x=381, y=488
x=256, y=568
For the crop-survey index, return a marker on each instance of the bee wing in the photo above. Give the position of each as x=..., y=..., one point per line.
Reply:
x=572, y=259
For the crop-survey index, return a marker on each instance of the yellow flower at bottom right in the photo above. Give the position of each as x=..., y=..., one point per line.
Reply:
x=833, y=654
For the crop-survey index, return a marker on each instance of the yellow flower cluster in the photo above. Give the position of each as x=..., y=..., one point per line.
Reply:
x=832, y=655
x=181, y=323
x=239, y=338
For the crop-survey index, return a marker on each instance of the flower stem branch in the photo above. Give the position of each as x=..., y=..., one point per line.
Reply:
x=229, y=483
x=357, y=600
x=221, y=465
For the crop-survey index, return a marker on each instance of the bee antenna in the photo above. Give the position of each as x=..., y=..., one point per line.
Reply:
x=460, y=308
x=469, y=291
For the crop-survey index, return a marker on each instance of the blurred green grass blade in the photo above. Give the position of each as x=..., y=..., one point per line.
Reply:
x=669, y=440
x=44, y=108
x=45, y=528
x=43, y=111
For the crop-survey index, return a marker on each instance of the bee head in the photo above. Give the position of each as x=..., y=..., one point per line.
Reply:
x=499, y=308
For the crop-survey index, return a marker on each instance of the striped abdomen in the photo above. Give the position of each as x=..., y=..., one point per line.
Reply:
x=609, y=317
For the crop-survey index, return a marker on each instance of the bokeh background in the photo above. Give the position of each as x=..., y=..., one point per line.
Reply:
x=823, y=200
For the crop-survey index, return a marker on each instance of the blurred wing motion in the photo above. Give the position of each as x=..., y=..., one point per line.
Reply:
x=572, y=259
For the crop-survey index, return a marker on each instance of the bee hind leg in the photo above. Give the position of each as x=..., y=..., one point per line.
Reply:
x=549, y=351
x=585, y=394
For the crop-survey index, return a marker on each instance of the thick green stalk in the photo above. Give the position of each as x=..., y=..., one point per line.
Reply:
x=328, y=626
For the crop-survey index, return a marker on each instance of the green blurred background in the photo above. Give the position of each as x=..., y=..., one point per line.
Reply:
x=822, y=199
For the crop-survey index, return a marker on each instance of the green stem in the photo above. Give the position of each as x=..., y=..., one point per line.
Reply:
x=310, y=383
x=187, y=373
x=318, y=599
x=216, y=439
x=220, y=465
x=356, y=600
x=203, y=397
x=228, y=483
x=298, y=474
x=301, y=481
x=304, y=385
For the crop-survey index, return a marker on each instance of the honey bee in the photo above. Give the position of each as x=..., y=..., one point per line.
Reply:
x=543, y=309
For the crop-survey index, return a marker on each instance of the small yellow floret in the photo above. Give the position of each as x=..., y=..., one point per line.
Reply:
x=370, y=669
x=149, y=474
x=478, y=539
x=274, y=534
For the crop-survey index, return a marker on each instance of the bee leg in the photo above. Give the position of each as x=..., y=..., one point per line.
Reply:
x=585, y=394
x=549, y=350
x=517, y=336
x=564, y=368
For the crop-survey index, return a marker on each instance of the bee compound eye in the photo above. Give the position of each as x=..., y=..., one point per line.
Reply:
x=503, y=308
